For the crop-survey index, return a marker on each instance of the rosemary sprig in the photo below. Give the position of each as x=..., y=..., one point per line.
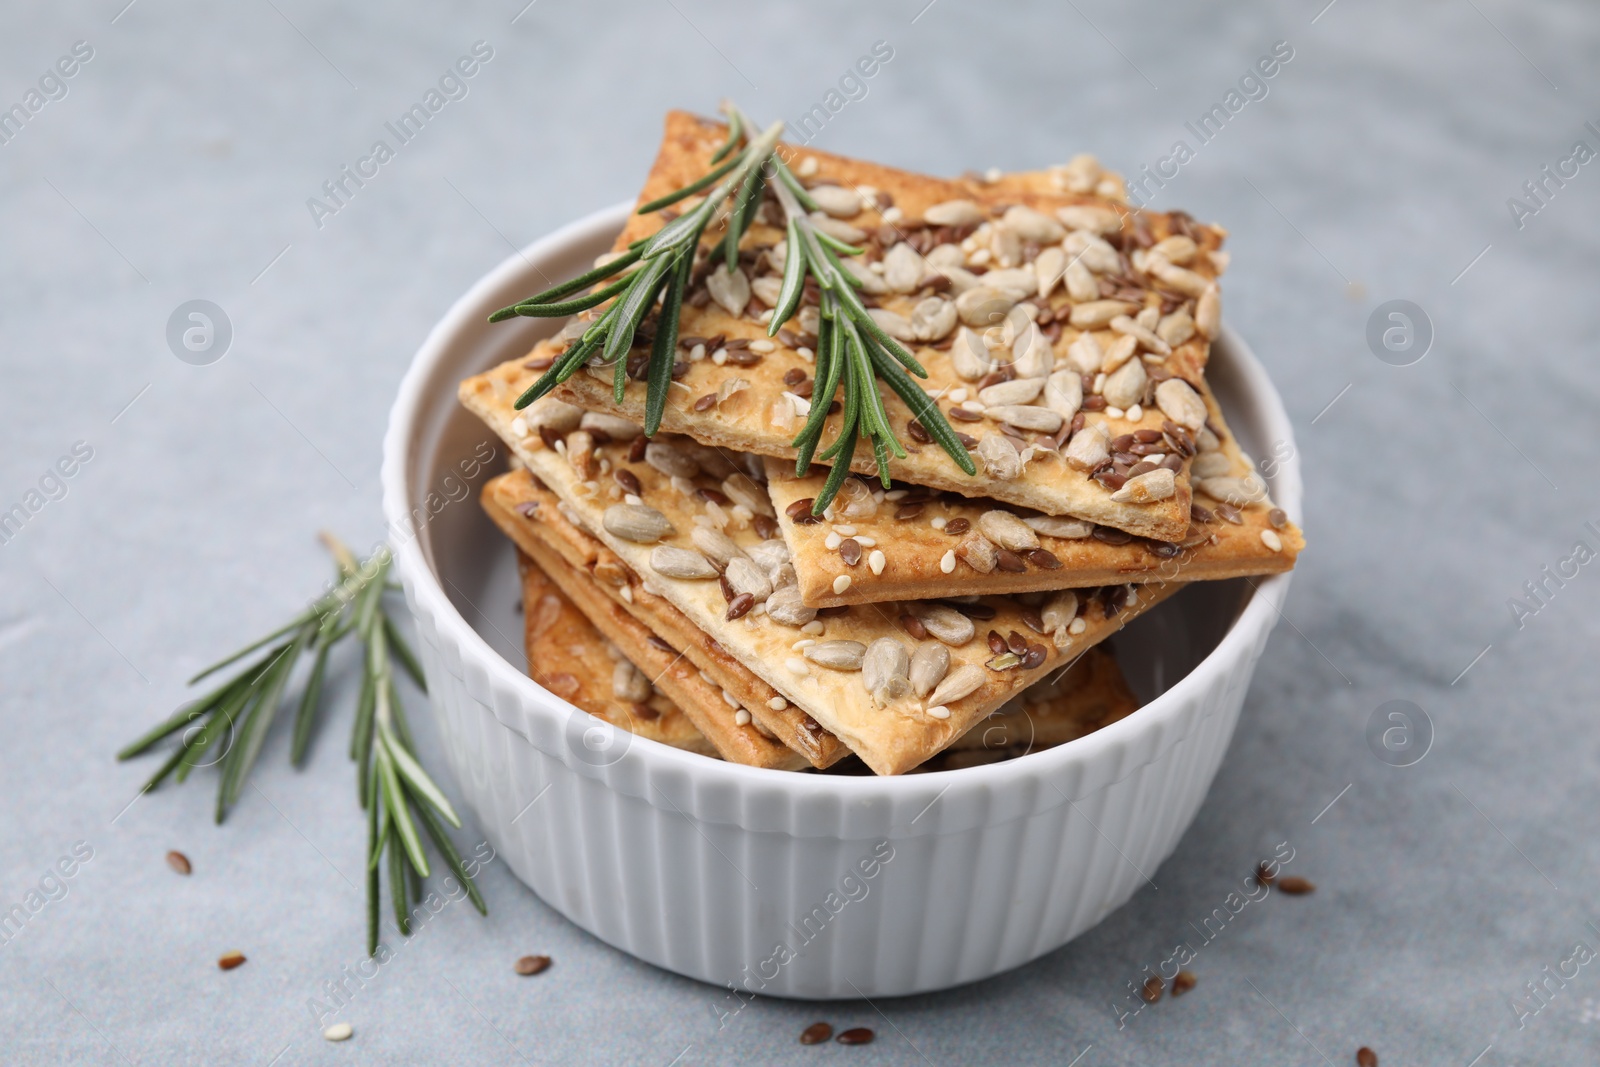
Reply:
x=853, y=351
x=234, y=718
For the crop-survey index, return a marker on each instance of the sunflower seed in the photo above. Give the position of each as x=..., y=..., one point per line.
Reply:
x=1210, y=465
x=1007, y=531
x=836, y=655
x=893, y=323
x=1081, y=175
x=1175, y=328
x=1084, y=355
x=1124, y=325
x=985, y=304
x=684, y=563
x=932, y=319
x=638, y=523
x=1063, y=393
x=1048, y=268
x=717, y=546
x=1146, y=488
x=745, y=577
x=884, y=669
x=970, y=356
x=837, y=201
x=929, y=664
x=1023, y=417
x=954, y=213
x=1125, y=386
x=871, y=281
x=945, y=624
x=670, y=460
x=1059, y=611
x=1179, y=402
x=979, y=553
x=556, y=414
x=903, y=268
x=1020, y=391
x=1089, y=447
x=742, y=489
x=1178, y=248
x=1175, y=277
x=1117, y=353
x=1033, y=225
x=1081, y=284
x=1208, y=313
x=1097, y=314
x=1031, y=354
x=784, y=606
x=1089, y=217
x=767, y=289
x=1059, y=526
x=730, y=289
x=961, y=682
x=837, y=228
x=1235, y=491
x=1000, y=458
x=1094, y=252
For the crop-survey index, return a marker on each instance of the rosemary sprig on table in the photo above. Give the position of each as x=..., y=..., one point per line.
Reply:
x=853, y=352
x=232, y=721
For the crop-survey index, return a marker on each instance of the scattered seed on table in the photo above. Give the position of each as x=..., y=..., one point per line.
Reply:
x=339, y=1032
x=179, y=862
x=1365, y=1057
x=1264, y=875
x=815, y=1034
x=532, y=965
x=1152, y=989
x=857, y=1036
x=1182, y=982
x=1295, y=886
x=229, y=960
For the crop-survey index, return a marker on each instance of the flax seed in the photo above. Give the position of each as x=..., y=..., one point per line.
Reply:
x=1296, y=886
x=529, y=965
x=179, y=862
x=229, y=960
x=857, y=1036
x=1182, y=982
x=815, y=1034
x=740, y=606
x=957, y=527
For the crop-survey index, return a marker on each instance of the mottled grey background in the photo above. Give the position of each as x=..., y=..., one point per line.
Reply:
x=178, y=167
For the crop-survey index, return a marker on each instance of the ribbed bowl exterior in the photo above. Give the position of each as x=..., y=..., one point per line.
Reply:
x=803, y=885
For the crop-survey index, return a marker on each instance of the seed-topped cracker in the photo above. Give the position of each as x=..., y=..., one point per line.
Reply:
x=738, y=704
x=1044, y=322
x=909, y=542
x=896, y=682
x=571, y=658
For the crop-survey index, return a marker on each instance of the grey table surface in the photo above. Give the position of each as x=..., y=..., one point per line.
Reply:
x=1380, y=165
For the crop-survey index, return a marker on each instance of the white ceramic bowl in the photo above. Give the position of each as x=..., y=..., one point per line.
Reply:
x=797, y=885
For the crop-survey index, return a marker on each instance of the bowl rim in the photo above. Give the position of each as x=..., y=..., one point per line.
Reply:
x=1259, y=612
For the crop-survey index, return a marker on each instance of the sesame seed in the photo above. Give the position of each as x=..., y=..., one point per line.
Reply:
x=948, y=563
x=1114, y=412
x=796, y=665
x=519, y=426
x=845, y=531
x=806, y=354
x=938, y=522
x=841, y=583
x=867, y=542
x=803, y=643
x=813, y=627
x=741, y=718
x=730, y=700
x=1271, y=539
x=720, y=357
x=1136, y=413
x=1076, y=627
x=893, y=214
x=777, y=703
x=938, y=711
x=832, y=541
x=632, y=498
x=876, y=561
x=959, y=395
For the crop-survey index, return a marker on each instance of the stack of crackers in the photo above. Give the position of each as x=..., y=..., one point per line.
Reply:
x=681, y=587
